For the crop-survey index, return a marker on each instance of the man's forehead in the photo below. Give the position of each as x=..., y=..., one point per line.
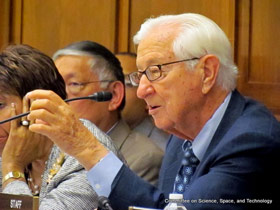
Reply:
x=154, y=51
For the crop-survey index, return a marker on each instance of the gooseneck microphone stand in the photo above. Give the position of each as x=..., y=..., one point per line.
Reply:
x=98, y=96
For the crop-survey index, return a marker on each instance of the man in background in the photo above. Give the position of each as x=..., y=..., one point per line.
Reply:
x=88, y=67
x=135, y=112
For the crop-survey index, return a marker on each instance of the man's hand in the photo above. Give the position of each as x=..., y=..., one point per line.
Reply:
x=55, y=119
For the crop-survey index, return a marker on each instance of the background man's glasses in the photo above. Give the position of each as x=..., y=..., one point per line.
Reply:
x=127, y=81
x=152, y=72
x=76, y=87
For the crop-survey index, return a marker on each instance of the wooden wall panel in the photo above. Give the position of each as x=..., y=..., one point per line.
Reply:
x=16, y=22
x=258, y=54
x=123, y=26
x=4, y=22
x=222, y=12
x=49, y=25
x=264, y=41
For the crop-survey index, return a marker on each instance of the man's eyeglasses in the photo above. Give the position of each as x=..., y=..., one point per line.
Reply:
x=76, y=87
x=127, y=81
x=152, y=72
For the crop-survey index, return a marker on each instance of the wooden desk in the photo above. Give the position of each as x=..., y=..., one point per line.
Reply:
x=24, y=202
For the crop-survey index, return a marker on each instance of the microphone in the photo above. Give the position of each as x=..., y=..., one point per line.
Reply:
x=103, y=203
x=98, y=96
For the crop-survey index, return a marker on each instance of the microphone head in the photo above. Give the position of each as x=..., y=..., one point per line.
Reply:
x=101, y=96
x=103, y=202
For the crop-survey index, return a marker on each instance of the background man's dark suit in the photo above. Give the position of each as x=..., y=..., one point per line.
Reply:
x=239, y=163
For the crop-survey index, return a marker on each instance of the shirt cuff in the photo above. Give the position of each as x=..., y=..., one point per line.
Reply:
x=102, y=175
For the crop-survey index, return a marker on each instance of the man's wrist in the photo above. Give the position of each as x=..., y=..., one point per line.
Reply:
x=90, y=158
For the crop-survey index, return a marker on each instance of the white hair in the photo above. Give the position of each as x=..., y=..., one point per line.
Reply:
x=198, y=36
x=97, y=64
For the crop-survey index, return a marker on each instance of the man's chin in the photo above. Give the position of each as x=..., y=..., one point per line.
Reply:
x=162, y=124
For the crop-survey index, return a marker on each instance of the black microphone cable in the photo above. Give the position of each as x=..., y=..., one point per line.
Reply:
x=98, y=96
x=103, y=203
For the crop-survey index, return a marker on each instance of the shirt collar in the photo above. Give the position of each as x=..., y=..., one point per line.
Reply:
x=203, y=139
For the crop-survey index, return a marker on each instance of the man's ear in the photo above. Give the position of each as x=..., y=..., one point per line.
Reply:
x=211, y=65
x=118, y=91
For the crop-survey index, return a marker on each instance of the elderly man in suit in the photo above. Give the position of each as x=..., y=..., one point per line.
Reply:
x=225, y=147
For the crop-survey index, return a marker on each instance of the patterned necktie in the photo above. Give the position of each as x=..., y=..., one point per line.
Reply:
x=189, y=164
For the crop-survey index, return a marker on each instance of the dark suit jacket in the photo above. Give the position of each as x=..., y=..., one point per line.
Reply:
x=240, y=163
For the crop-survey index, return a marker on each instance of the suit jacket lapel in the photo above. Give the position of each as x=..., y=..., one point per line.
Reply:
x=171, y=164
x=233, y=111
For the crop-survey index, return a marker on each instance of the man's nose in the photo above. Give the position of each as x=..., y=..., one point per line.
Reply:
x=144, y=88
